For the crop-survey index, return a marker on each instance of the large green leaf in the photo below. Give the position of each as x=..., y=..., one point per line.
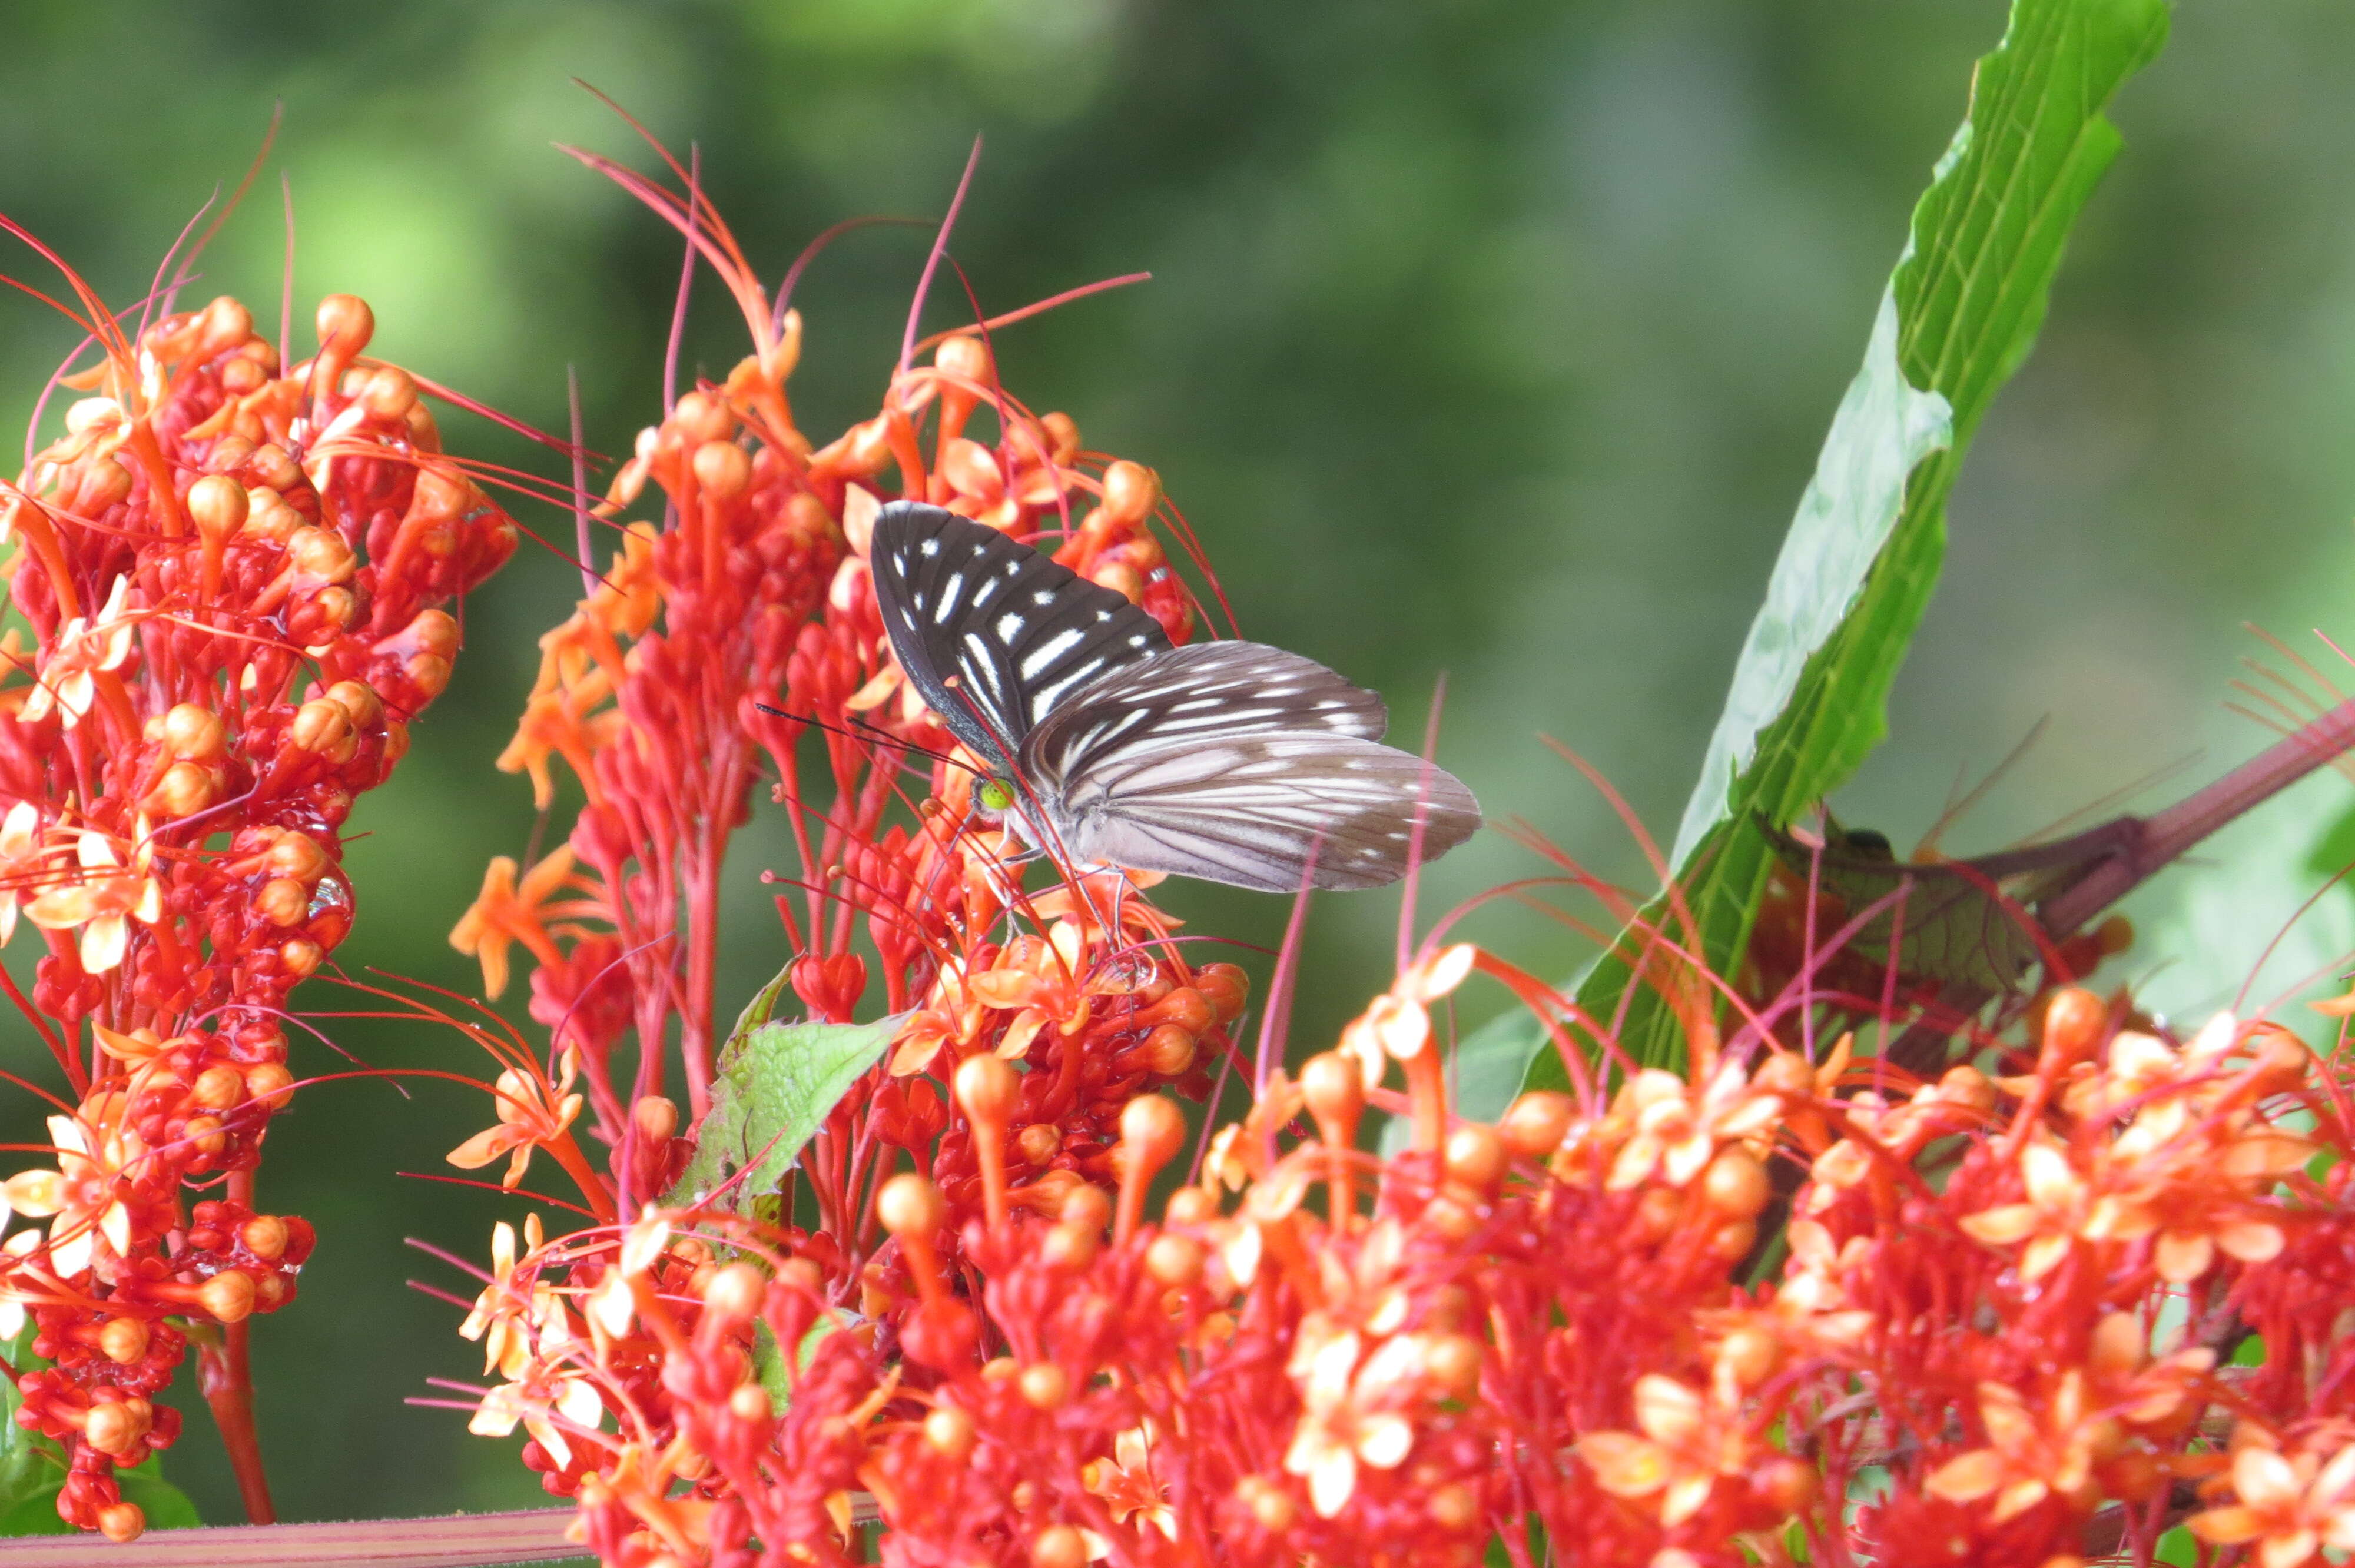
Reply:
x=773, y=1086
x=1809, y=695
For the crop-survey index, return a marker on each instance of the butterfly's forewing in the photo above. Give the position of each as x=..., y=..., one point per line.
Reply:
x=993, y=633
x=1238, y=763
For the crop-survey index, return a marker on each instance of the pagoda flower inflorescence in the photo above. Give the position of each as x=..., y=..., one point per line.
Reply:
x=2000, y=1320
x=238, y=577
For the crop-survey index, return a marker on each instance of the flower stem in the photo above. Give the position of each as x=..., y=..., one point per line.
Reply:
x=224, y=1373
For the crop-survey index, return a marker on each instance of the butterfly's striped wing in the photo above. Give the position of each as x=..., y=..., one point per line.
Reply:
x=1235, y=762
x=993, y=633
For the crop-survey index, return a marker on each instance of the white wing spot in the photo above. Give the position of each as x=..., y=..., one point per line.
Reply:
x=941, y=611
x=929, y=548
x=1009, y=626
x=1044, y=656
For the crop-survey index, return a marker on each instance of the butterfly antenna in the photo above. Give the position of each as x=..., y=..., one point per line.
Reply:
x=932, y=262
x=859, y=729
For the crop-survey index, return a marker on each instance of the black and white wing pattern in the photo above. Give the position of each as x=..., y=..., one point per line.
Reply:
x=1236, y=762
x=993, y=633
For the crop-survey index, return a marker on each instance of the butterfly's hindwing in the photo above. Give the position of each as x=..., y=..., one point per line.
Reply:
x=1253, y=808
x=1236, y=762
x=993, y=634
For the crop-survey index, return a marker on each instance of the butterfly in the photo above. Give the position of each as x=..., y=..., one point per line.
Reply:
x=1229, y=761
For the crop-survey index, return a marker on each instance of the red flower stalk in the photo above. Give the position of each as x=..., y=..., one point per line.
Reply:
x=234, y=574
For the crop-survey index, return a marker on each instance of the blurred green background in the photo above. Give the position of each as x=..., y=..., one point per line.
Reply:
x=1485, y=338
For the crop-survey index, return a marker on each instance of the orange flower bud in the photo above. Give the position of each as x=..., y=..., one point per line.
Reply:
x=389, y=394
x=1131, y=491
x=2075, y=1019
x=1225, y=988
x=988, y=1091
x=218, y=505
x=320, y=725
x=1174, y=1260
x=1736, y=1184
x=1087, y=1206
x=1058, y=1546
x=440, y=494
x=656, y=1117
x=702, y=418
x=115, y=1427
x=1474, y=1157
x=1453, y=1364
x=1336, y=1096
x=1184, y=1007
x=910, y=1205
x=227, y=1297
x=1168, y=1050
x=1070, y=1247
x=359, y=700
x=123, y=1341
x=1063, y=435
x=724, y=468
x=264, y=1236
x=320, y=555
x=229, y=454
x=268, y=516
x=735, y=1292
x=104, y=484
x=223, y=325
x=1151, y=1128
x=282, y=901
x=275, y=466
x=435, y=631
x=1039, y=1143
x=196, y=733
x=966, y=357
x=121, y=1523
x=1749, y=1356
x=1044, y=1385
x=949, y=1432
x=1190, y=1206
x=205, y=1136
x=748, y=1402
x=430, y=674
x=1533, y=1127
x=218, y=1087
x=268, y=1082
x=1453, y=1507
x=183, y=791
x=345, y=320
x=298, y=855
x=300, y=956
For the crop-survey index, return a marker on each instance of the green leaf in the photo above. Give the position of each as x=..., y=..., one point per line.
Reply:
x=769, y=1361
x=1809, y=695
x=773, y=1086
x=166, y=1505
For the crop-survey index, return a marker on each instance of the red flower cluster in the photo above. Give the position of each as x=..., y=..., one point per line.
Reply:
x=234, y=573
x=2004, y=1314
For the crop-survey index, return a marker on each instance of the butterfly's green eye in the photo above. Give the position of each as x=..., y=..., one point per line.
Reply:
x=994, y=796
